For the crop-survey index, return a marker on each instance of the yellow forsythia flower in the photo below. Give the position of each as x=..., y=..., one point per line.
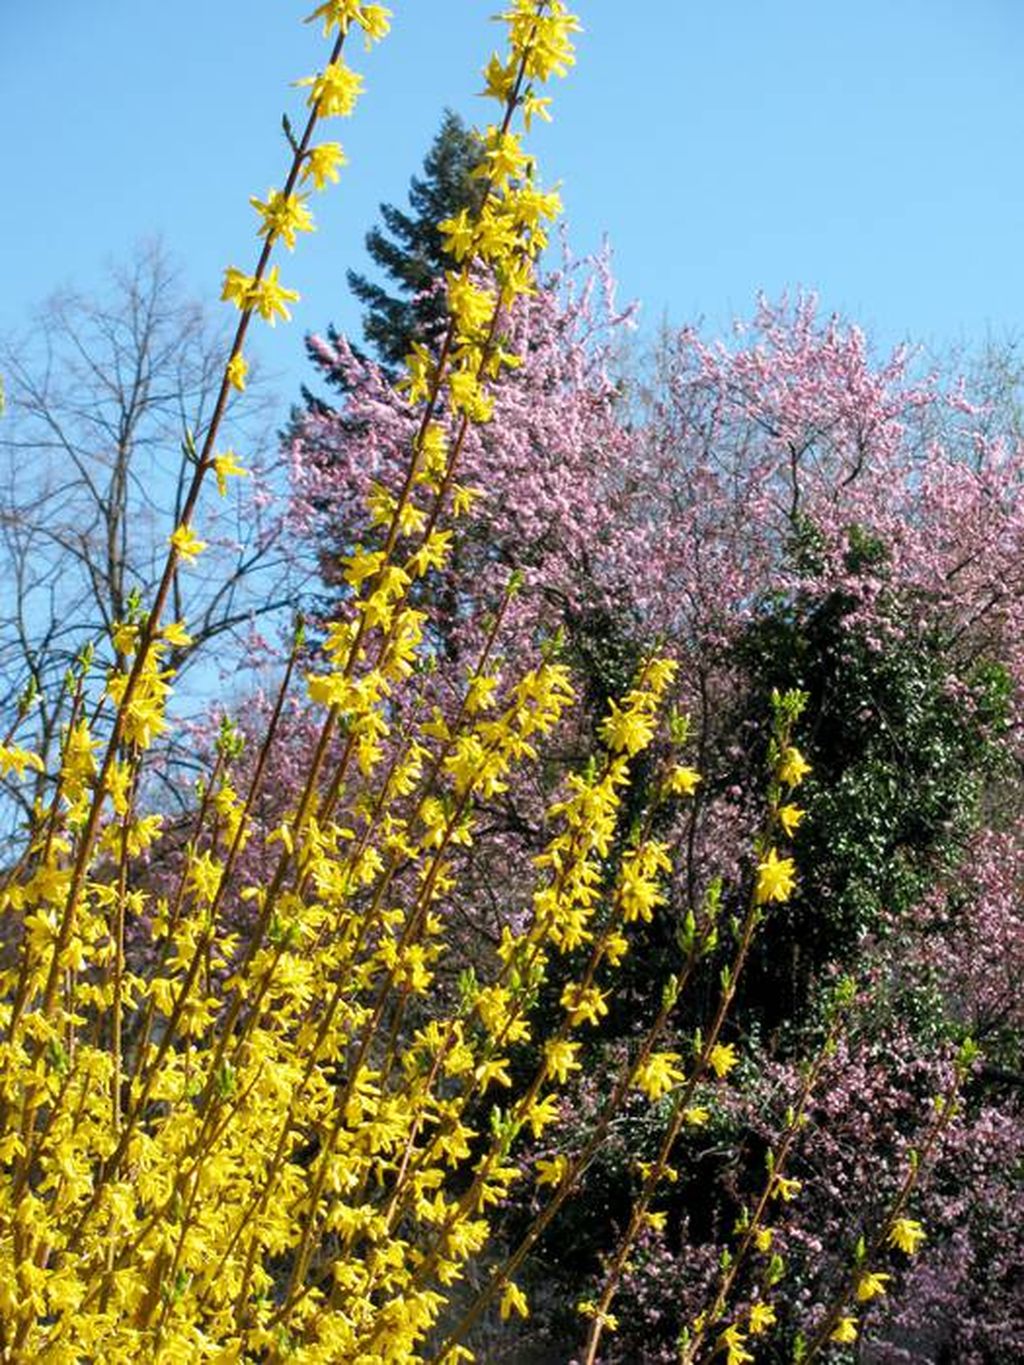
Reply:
x=269, y=297
x=659, y=1074
x=236, y=287
x=588, y=1308
x=625, y=730
x=334, y=91
x=907, y=1234
x=225, y=466
x=722, y=1058
x=336, y=14
x=544, y=39
x=870, y=1285
x=176, y=634
x=762, y=1316
x=322, y=162
x=551, y=1170
x=187, y=543
x=238, y=368
x=125, y=637
x=733, y=1342
x=793, y=767
x=375, y=21
x=583, y=1003
x=785, y=1189
x=283, y=215
x=339, y=14
x=845, y=1331
x=17, y=760
x=776, y=878
x=789, y=817
x=682, y=781
x=513, y=1298
x=459, y=234
x=560, y=1058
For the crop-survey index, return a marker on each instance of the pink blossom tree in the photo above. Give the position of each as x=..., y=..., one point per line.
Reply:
x=785, y=509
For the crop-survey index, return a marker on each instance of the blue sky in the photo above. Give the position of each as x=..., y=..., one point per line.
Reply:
x=869, y=150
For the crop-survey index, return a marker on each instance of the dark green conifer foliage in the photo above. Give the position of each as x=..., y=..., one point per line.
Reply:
x=408, y=247
x=409, y=252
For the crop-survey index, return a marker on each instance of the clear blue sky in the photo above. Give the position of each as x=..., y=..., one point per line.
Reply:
x=870, y=149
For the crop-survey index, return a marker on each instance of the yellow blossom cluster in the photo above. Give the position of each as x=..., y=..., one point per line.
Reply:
x=655, y=1071
x=244, y=1147
x=289, y=1141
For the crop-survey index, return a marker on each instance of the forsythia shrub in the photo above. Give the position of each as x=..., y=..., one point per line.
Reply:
x=288, y=1142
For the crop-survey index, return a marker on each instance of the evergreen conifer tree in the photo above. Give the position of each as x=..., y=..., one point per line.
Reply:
x=408, y=247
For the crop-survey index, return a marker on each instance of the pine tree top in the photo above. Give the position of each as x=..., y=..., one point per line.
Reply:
x=408, y=247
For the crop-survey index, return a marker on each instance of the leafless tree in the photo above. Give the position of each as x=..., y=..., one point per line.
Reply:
x=103, y=397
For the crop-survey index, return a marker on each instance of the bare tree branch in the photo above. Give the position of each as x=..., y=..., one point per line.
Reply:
x=100, y=397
